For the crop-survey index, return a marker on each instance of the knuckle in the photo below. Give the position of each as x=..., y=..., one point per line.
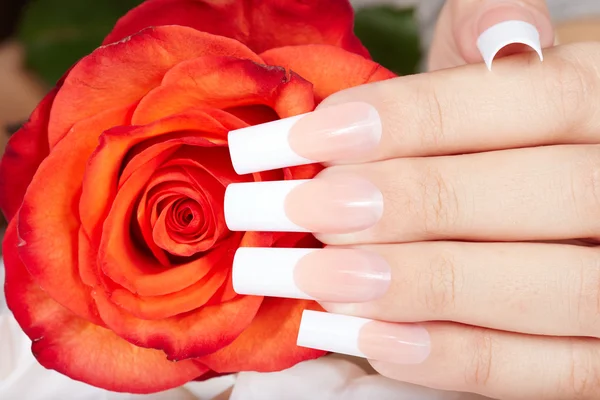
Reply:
x=587, y=294
x=583, y=378
x=438, y=199
x=480, y=368
x=432, y=126
x=572, y=82
x=585, y=188
x=440, y=283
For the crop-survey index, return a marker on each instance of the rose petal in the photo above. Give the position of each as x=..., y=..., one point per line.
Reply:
x=260, y=24
x=122, y=73
x=48, y=220
x=102, y=173
x=264, y=349
x=126, y=264
x=337, y=69
x=225, y=82
x=204, y=190
x=160, y=307
x=191, y=335
x=24, y=152
x=80, y=349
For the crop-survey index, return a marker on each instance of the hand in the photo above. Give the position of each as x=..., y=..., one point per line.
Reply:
x=442, y=208
x=461, y=23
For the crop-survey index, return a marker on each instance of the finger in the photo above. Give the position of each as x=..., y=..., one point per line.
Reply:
x=538, y=194
x=470, y=31
x=519, y=287
x=448, y=112
x=461, y=358
x=529, y=288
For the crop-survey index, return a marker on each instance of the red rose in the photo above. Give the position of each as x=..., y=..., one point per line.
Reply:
x=118, y=259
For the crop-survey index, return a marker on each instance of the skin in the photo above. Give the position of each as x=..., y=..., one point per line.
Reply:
x=492, y=214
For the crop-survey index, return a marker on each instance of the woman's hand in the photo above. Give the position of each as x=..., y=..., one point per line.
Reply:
x=463, y=22
x=443, y=210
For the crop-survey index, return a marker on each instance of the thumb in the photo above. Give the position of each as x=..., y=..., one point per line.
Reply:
x=471, y=31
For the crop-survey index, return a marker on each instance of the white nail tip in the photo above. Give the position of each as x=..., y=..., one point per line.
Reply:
x=264, y=147
x=497, y=37
x=331, y=332
x=259, y=207
x=268, y=272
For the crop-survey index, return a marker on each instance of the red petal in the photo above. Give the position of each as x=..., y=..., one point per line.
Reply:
x=330, y=69
x=260, y=24
x=82, y=350
x=48, y=220
x=125, y=262
x=225, y=82
x=269, y=343
x=191, y=335
x=102, y=173
x=302, y=171
x=122, y=73
x=24, y=153
x=160, y=307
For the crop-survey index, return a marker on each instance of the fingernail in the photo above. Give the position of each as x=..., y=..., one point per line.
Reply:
x=328, y=205
x=338, y=133
x=361, y=337
x=503, y=34
x=332, y=275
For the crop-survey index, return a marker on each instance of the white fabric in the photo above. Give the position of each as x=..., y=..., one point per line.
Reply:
x=22, y=378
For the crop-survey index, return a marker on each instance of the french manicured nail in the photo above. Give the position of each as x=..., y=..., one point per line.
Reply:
x=337, y=133
x=332, y=275
x=333, y=205
x=503, y=34
x=361, y=337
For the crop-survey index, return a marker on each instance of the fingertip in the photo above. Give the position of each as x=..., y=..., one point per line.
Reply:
x=501, y=28
x=515, y=36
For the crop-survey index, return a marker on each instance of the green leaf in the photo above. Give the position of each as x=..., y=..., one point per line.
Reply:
x=57, y=33
x=392, y=37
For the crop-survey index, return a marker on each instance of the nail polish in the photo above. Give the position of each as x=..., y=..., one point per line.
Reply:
x=337, y=133
x=332, y=205
x=362, y=337
x=498, y=36
x=332, y=275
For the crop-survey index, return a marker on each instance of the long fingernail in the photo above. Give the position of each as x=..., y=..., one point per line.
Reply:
x=503, y=34
x=337, y=133
x=332, y=275
x=329, y=205
x=361, y=337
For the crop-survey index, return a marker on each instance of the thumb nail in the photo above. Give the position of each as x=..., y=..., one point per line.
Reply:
x=497, y=37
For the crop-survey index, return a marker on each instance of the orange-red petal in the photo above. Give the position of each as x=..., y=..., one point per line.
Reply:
x=225, y=82
x=102, y=173
x=123, y=72
x=24, y=152
x=269, y=343
x=160, y=307
x=195, y=334
x=330, y=69
x=260, y=24
x=81, y=350
x=48, y=219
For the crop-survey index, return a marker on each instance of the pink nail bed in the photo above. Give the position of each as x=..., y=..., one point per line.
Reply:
x=361, y=337
x=394, y=343
x=335, y=205
x=343, y=275
x=330, y=274
x=343, y=132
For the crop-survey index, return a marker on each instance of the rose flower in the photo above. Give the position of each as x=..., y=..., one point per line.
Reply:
x=118, y=258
